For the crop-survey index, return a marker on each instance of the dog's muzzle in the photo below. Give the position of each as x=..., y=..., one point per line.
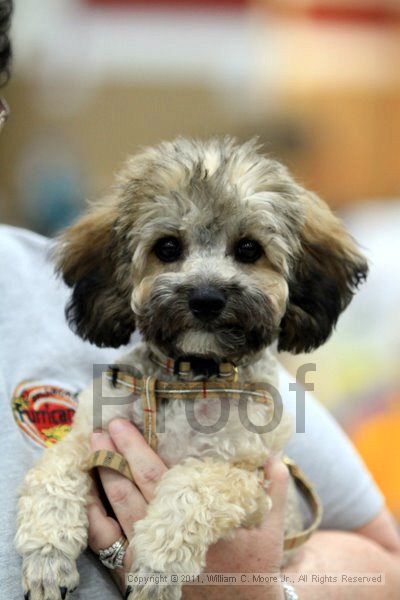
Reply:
x=240, y=320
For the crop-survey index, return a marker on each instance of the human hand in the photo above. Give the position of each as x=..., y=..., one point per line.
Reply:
x=250, y=551
x=257, y=550
x=128, y=500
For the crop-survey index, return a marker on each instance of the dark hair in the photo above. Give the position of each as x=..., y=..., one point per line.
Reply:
x=5, y=46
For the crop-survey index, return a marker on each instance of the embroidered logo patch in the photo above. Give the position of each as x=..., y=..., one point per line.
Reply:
x=43, y=412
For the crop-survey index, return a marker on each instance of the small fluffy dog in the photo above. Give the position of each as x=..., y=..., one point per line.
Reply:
x=213, y=251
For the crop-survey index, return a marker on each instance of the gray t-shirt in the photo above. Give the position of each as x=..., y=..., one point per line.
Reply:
x=38, y=352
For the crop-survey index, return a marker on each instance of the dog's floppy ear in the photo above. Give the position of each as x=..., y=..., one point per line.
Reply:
x=91, y=261
x=326, y=274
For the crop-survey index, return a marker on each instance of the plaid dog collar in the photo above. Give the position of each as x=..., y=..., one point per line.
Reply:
x=194, y=366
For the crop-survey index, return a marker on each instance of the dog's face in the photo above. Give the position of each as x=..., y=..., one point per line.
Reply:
x=210, y=249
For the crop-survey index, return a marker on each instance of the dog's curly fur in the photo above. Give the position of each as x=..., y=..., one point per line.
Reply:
x=207, y=197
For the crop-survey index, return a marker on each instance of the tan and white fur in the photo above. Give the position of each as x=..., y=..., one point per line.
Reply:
x=188, y=224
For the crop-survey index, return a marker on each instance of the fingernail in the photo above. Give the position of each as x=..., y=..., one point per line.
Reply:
x=128, y=591
x=63, y=592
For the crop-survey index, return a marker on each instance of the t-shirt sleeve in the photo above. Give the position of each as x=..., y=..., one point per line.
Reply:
x=349, y=495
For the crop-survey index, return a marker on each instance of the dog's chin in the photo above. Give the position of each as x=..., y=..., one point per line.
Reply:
x=198, y=343
x=205, y=344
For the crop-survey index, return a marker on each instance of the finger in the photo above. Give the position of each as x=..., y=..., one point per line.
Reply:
x=277, y=475
x=126, y=500
x=146, y=466
x=103, y=530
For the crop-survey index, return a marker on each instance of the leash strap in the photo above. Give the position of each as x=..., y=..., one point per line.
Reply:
x=307, y=489
x=116, y=462
x=110, y=460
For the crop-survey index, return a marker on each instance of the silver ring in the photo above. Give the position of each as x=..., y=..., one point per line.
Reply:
x=289, y=591
x=113, y=556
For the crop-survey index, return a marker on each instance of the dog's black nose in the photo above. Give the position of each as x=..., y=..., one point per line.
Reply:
x=207, y=302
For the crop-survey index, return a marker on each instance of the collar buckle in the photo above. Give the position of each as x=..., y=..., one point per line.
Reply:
x=205, y=368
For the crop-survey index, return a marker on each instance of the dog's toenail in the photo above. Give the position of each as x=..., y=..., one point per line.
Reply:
x=63, y=592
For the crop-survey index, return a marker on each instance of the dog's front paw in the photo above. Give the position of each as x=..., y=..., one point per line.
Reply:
x=48, y=574
x=146, y=584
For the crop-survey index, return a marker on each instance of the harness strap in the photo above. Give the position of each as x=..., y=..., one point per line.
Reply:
x=150, y=388
x=116, y=462
x=149, y=406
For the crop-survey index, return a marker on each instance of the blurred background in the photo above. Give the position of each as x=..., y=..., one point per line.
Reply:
x=317, y=80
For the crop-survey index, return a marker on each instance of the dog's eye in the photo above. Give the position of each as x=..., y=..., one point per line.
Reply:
x=168, y=249
x=247, y=251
